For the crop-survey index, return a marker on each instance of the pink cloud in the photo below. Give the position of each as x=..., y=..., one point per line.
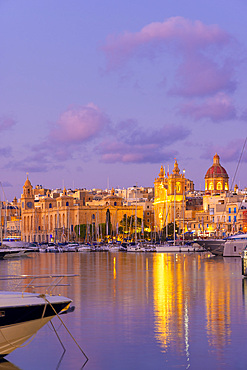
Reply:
x=77, y=125
x=130, y=143
x=117, y=151
x=200, y=76
x=195, y=46
x=218, y=108
x=6, y=123
x=183, y=32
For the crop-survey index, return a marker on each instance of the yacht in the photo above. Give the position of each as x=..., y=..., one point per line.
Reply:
x=178, y=248
x=22, y=314
x=235, y=245
x=215, y=246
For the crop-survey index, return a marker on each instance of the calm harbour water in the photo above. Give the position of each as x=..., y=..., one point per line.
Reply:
x=140, y=311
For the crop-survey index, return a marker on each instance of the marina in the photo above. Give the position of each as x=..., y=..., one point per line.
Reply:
x=139, y=310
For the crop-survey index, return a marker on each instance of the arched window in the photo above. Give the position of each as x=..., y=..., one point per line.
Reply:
x=50, y=205
x=93, y=217
x=211, y=186
x=219, y=185
x=115, y=203
x=67, y=204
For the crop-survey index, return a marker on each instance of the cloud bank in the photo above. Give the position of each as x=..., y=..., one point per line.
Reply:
x=204, y=62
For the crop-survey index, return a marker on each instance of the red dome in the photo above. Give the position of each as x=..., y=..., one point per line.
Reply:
x=216, y=170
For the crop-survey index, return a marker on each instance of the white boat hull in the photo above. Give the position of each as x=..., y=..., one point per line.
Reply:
x=234, y=248
x=176, y=248
x=13, y=336
x=23, y=314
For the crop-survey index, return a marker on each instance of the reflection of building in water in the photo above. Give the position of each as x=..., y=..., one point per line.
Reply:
x=175, y=285
x=217, y=299
x=175, y=288
x=171, y=299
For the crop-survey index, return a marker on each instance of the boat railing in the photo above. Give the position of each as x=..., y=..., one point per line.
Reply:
x=51, y=281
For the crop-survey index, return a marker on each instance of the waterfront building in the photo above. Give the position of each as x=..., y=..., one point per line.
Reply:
x=10, y=219
x=216, y=178
x=72, y=215
x=170, y=197
x=217, y=211
x=224, y=211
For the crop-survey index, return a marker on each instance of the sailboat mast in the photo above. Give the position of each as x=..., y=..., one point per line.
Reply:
x=174, y=224
x=136, y=221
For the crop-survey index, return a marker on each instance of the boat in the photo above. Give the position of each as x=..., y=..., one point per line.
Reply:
x=178, y=248
x=215, y=246
x=22, y=313
x=84, y=248
x=14, y=252
x=235, y=245
x=135, y=248
x=224, y=247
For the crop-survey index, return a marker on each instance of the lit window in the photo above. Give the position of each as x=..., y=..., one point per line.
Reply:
x=211, y=186
x=219, y=186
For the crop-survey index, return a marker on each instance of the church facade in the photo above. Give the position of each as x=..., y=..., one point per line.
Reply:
x=170, y=196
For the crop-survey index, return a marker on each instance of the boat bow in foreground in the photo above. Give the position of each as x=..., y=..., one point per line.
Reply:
x=22, y=314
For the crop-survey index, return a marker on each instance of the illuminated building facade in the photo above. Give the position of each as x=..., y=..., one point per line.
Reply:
x=169, y=196
x=55, y=216
x=216, y=178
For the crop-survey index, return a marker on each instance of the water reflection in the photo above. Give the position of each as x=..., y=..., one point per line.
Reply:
x=184, y=287
x=175, y=306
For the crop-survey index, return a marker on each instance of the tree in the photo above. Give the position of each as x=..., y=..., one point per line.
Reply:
x=170, y=233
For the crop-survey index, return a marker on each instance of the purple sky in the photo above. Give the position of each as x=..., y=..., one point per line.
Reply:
x=104, y=92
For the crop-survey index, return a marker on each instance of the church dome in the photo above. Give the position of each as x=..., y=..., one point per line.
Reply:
x=27, y=183
x=216, y=170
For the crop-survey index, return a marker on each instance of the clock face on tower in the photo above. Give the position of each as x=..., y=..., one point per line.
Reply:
x=29, y=204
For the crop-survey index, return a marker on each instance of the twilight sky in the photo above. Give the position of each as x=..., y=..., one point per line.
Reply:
x=104, y=92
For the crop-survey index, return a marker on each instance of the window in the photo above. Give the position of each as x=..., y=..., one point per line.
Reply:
x=115, y=203
x=219, y=186
x=235, y=210
x=235, y=248
x=67, y=204
x=93, y=217
x=50, y=205
x=147, y=213
x=229, y=210
x=229, y=219
x=235, y=218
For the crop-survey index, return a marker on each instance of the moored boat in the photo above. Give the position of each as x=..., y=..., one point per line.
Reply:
x=178, y=248
x=215, y=246
x=22, y=314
